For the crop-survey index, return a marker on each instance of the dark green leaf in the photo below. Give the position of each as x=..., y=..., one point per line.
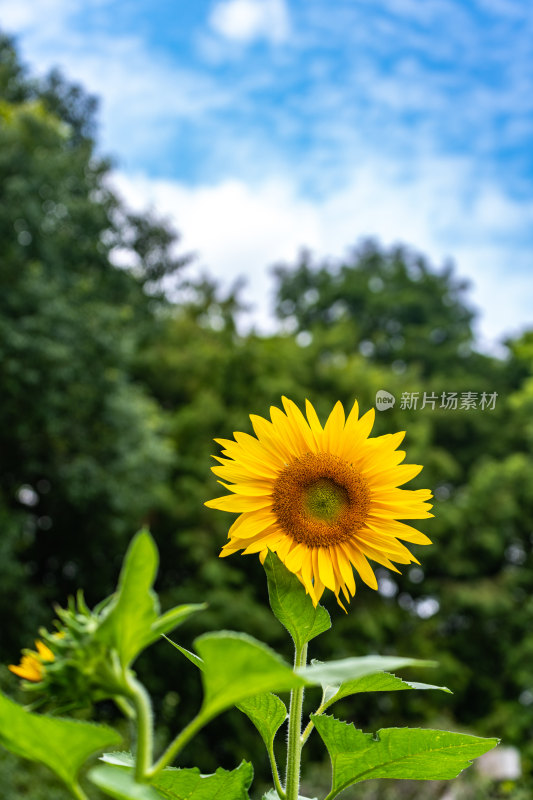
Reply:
x=291, y=605
x=410, y=753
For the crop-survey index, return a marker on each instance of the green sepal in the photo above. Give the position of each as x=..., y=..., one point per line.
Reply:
x=291, y=605
x=117, y=780
x=131, y=620
x=63, y=745
x=408, y=753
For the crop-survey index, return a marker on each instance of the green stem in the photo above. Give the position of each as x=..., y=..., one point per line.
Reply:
x=294, y=746
x=78, y=792
x=321, y=708
x=123, y=706
x=144, y=723
x=178, y=744
x=307, y=732
x=275, y=773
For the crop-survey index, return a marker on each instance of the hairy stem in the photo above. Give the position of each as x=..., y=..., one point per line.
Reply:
x=144, y=725
x=275, y=773
x=294, y=747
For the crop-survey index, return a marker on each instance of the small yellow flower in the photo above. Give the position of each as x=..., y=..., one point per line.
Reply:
x=31, y=664
x=325, y=499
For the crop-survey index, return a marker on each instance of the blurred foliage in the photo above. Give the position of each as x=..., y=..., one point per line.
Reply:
x=112, y=394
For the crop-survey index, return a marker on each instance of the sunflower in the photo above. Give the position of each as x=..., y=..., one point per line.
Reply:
x=325, y=499
x=31, y=664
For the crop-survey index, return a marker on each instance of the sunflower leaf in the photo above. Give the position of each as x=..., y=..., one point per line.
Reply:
x=267, y=712
x=410, y=753
x=63, y=745
x=291, y=605
x=131, y=621
x=335, y=673
x=189, y=784
x=175, y=784
x=236, y=667
x=377, y=682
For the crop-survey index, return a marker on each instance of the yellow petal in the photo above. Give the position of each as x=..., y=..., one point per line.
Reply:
x=270, y=437
x=362, y=566
x=237, y=503
x=397, y=475
x=283, y=547
x=250, y=524
x=295, y=557
x=44, y=652
x=318, y=585
x=345, y=568
x=29, y=669
x=333, y=430
x=353, y=416
x=314, y=424
x=325, y=567
x=306, y=574
x=356, y=435
x=250, y=490
x=300, y=426
x=254, y=449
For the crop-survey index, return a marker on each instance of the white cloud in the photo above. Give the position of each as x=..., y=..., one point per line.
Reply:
x=245, y=21
x=242, y=229
x=267, y=195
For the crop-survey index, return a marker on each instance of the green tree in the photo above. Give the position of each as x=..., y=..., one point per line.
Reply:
x=84, y=448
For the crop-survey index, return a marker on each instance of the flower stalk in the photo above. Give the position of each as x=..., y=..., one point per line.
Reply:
x=294, y=745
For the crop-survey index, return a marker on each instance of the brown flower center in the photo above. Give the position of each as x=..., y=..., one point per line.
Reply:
x=320, y=500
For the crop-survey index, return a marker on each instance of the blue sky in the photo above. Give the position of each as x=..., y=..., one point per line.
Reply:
x=262, y=126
